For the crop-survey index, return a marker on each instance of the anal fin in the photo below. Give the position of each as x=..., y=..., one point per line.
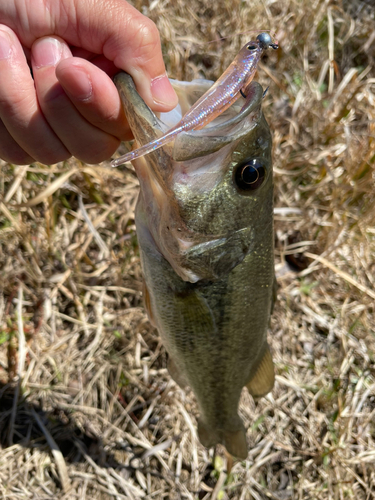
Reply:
x=263, y=380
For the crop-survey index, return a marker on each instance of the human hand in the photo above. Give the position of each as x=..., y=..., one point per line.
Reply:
x=69, y=105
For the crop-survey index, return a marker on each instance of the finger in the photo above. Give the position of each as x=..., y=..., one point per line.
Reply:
x=132, y=42
x=105, y=65
x=138, y=52
x=10, y=151
x=113, y=28
x=94, y=95
x=82, y=139
x=19, y=109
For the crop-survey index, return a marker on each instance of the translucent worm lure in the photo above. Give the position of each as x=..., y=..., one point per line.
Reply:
x=226, y=90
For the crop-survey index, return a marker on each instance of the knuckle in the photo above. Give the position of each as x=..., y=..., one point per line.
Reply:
x=17, y=110
x=147, y=39
x=149, y=31
x=15, y=104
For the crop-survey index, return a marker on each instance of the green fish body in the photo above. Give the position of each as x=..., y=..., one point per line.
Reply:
x=205, y=229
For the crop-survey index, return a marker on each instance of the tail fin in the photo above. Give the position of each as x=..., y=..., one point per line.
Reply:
x=234, y=442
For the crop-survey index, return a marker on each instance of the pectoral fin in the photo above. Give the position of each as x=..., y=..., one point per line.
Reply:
x=262, y=382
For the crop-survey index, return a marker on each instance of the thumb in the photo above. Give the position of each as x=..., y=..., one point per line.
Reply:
x=123, y=35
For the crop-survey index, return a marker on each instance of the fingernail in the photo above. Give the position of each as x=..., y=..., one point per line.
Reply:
x=79, y=87
x=5, y=45
x=47, y=52
x=162, y=91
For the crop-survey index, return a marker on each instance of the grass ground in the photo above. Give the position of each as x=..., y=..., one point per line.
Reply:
x=96, y=414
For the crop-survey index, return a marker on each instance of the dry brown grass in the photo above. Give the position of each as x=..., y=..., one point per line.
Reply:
x=95, y=414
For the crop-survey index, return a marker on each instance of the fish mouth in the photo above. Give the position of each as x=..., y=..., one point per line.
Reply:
x=231, y=125
x=236, y=122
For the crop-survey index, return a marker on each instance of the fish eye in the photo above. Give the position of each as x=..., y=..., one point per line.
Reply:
x=251, y=46
x=249, y=175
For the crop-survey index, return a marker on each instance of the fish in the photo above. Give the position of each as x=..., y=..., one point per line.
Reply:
x=235, y=81
x=204, y=222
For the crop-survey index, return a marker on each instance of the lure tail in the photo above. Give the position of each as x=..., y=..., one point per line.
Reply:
x=147, y=148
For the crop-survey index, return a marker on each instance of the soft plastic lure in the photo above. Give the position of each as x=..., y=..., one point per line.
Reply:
x=226, y=90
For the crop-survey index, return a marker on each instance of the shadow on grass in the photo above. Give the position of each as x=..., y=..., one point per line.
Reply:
x=77, y=444
x=21, y=427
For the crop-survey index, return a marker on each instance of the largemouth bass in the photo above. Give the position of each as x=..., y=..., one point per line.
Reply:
x=204, y=222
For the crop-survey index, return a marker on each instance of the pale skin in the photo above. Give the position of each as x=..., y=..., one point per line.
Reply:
x=69, y=105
